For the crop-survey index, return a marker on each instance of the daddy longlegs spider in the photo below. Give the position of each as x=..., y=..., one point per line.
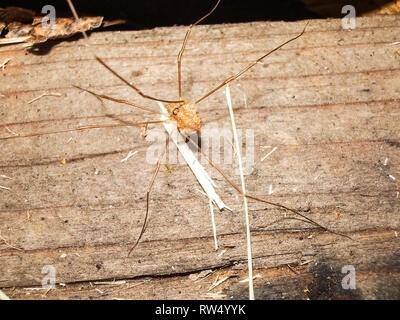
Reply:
x=186, y=117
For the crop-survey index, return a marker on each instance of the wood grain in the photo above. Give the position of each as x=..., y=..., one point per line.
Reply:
x=329, y=102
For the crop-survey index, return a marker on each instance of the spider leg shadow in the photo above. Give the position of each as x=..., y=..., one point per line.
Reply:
x=195, y=137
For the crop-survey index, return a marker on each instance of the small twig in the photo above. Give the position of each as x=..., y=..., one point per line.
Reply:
x=306, y=262
x=4, y=63
x=270, y=191
x=9, y=245
x=28, y=216
x=130, y=154
x=115, y=290
x=291, y=268
x=268, y=154
x=217, y=283
x=10, y=131
x=225, y=250
x=5, y=188
x=213, y=224
x=203, y=275
x=47, y=291
x=213, y=295
x=101, y=292
x=45, y=95
x=257, y=276
x=13, y=40
x=110, y=283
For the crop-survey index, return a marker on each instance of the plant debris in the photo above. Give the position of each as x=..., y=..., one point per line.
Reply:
x=21, y=25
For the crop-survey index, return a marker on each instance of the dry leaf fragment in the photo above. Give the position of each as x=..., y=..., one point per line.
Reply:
x=21, y=25
x=64, y=28
x=17, y=29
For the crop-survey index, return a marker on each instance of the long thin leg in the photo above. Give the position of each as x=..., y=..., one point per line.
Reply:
x=124, y=124
x=114, y=72
x=148, y=198
x=102, y=96
x=184, y=46
x=250, y=66
x=167, y=149
x=132, y=86
x=75, y=14
x=306, y=219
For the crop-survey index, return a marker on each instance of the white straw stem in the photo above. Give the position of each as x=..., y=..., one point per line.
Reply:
x=213, y=224
x=201, y=174
x=246, y=211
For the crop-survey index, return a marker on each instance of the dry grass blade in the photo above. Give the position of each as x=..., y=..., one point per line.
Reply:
x=246, y=209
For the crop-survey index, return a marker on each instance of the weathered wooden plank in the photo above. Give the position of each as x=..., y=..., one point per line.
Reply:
x=329, y=102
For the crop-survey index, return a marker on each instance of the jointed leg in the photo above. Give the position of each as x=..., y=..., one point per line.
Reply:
x=123, y=124
x=102, y=96
x=132, y=86
x=306, y=219
x=250, y=66
x=114, y=72
x=148, y=197
x=117, y=125
x=184, y=45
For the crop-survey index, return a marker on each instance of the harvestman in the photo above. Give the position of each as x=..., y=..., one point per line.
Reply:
x=186, y=117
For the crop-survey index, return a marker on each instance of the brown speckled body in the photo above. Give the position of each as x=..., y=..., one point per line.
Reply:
x=186, y=116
